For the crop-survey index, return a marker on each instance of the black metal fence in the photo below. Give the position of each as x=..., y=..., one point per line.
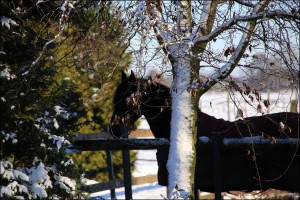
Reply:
x=126, y=144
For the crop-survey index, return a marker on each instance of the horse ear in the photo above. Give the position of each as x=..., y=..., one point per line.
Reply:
x=132, y=76
x=150, y=80
x=124, y=76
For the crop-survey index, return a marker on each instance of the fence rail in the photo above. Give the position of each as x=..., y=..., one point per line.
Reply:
x=162, y=143
x=109, y=185
x=102, y=141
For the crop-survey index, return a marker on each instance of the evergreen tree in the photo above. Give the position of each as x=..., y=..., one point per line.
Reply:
x=56, y=58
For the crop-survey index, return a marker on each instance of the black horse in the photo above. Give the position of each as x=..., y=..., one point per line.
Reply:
x=135, y=97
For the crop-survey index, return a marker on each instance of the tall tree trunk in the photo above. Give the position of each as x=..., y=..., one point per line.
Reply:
x=181, y=163
x=182, y=156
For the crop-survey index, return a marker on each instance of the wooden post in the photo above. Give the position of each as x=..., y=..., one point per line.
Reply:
x=110, y=172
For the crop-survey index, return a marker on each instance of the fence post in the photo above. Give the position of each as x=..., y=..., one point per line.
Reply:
x=217, y=165
x=110, y=172
x=127, y=173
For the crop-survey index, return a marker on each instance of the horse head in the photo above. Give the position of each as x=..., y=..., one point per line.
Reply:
x=135, y=97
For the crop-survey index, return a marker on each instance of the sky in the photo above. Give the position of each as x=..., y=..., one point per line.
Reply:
x=145, y=57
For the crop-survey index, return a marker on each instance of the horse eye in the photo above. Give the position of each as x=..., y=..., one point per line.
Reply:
x=135, y=101
x=128, y=101
x=145, y=85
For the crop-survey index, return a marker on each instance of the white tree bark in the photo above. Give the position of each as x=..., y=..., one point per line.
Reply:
x=180, y=162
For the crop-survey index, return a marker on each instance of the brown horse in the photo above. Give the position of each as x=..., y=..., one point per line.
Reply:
x=242, y=169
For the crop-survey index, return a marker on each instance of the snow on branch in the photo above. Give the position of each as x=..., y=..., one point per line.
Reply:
x=259, y=140
x=226, y=69
x=66, y=183
x=245, y=3
x=237, y=54
x=6, y=21
x=58, y=140
x=204, y=14
x=246, y=18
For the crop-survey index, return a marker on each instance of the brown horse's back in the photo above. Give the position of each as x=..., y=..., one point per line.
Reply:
x=277, y=125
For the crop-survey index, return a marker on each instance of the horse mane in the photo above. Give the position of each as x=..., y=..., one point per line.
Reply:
x=156, y=100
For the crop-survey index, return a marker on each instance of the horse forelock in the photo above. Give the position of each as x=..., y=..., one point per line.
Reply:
x=146, y=85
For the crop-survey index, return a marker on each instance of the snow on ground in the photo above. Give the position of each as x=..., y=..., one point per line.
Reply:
x=219, y=105
x=145, y=191
x=146, y=164
x=143, y=123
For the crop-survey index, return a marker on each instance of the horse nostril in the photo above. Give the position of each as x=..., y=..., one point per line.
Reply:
x=123, y=129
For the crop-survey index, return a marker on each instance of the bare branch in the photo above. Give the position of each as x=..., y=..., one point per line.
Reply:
x=245, y=3
x=225, y=70
x=234, y=21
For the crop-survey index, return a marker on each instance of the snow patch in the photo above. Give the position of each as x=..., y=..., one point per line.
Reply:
x=7, y=172
x=5, y=73
x=55, y=123
x=58, y=140
x=12, y=188
x=179, y=194
x=6, y=21
x=60, y=111
x=204, y=139
x=66, y=183
x=11, y=136
x=38, y=191
x=69, y=162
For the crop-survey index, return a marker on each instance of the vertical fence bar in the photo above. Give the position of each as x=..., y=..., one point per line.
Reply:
x=110, y=172
x=127, y=174
x=110, y=166
x=217, y=165
x=126, y=169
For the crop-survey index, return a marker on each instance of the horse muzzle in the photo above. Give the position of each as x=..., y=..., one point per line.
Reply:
x=119, y=130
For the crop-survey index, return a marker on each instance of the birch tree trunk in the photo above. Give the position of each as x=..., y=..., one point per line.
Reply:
x=182, y=154
x=181, y=163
